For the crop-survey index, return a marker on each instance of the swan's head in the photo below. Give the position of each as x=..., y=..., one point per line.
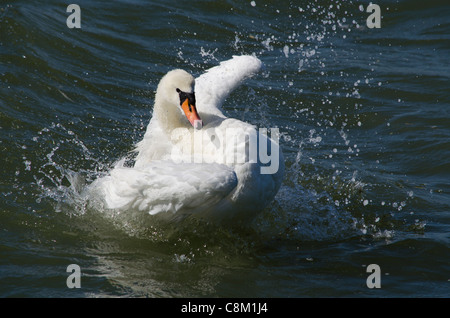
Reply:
x=176, y=94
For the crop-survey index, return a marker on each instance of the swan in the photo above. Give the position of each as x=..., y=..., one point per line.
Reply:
x=195, y=161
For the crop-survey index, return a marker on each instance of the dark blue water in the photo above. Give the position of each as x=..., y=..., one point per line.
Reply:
x=365, y=121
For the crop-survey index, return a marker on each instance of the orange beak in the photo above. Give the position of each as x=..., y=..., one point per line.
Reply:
x=188, y=106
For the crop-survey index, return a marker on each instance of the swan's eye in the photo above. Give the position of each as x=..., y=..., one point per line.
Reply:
x=190, y=97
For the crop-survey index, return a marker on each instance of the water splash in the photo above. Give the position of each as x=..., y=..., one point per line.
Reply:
x=324, y=195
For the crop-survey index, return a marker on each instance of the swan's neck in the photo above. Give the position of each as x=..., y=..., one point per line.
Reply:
x=168, y=117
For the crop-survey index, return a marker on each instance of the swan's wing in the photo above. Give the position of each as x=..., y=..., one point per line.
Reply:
x=167, y=187
x=213, y=86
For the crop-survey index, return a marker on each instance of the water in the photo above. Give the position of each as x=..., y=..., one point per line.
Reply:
x=365, y=122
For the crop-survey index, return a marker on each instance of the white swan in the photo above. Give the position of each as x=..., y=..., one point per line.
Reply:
x=193, y=160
